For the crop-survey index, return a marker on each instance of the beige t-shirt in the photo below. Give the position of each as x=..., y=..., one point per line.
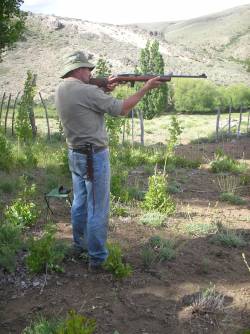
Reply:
x=81, y=109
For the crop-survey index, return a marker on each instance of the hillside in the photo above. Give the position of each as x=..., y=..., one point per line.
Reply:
x=215, y=44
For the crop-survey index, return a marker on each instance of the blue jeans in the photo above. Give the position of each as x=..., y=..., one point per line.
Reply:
x=90, y=208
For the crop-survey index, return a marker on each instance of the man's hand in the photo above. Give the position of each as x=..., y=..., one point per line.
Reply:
x=111, y=84
x=153, y=83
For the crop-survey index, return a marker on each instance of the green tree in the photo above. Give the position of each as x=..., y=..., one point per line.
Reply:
x=12, y=23
x=239, y=94
x=113, y=124
x=151, y=62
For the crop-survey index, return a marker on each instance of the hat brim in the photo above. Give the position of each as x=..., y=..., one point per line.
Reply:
x=70, y=67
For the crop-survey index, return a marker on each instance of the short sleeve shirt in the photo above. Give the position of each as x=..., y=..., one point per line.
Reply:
x=81, y=108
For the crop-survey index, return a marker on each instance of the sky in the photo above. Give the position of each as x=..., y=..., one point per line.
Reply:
x=130, y=11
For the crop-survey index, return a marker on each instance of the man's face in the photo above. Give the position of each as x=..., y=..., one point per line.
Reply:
x=85, y=74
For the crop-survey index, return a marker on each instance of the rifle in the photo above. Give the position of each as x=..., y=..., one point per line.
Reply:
x=132, y=78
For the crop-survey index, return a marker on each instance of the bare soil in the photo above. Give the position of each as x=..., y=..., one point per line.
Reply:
x=153, y=300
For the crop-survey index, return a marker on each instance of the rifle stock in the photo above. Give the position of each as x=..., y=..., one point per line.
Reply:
x=132, y=78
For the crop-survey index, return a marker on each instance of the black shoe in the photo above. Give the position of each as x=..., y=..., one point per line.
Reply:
x=97, y=268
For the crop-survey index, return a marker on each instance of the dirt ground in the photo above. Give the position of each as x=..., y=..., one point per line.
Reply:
x=159, y=299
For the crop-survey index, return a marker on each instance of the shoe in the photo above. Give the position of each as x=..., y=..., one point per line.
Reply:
x=78, y=253
x=97, y=268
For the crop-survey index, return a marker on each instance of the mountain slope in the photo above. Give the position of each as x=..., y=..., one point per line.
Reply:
x=214, y=44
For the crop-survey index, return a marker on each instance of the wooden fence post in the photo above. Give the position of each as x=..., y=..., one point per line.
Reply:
x=217, y=124
x=6, y=115
x=141, y=126
x=13, y=114
x=239, y=124
x=132, y=126
x=46, y=115
x=248, y=120
x=229, y=120
x=1, y=109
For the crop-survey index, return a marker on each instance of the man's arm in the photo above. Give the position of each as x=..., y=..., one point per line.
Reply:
x=131, y=101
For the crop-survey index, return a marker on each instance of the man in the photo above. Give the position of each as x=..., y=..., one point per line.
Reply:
x=81, y=108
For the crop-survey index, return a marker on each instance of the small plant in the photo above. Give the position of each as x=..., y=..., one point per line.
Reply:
x=153, y=219
x=228, y=183
x=157, y=197
x=149, y=256
x=45, y=253
x=228, y=238
x=232, y=198
x=10, y=243
x=77, y=324
x=114, y=262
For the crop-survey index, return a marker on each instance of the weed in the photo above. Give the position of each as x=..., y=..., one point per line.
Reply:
x=232, y=198
x=45, y=253
x=116, y=209
x=114, y=262
x=229, y=238
x=10, y=243
x=228, y=183
x=149, y=256
x=153, y=219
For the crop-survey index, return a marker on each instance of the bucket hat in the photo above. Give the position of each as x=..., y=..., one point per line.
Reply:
x=75, y=60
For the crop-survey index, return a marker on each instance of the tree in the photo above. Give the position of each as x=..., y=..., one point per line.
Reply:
x=151, y=62
x=12, y=21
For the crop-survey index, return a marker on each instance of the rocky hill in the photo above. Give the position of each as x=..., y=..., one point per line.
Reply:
x=217, y=44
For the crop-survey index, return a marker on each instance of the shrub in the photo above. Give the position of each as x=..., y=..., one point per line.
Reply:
x=114, y=262
x=224, y=163
x=157, y=197
x=200, y=229
x=46, y=252
x=10, y=243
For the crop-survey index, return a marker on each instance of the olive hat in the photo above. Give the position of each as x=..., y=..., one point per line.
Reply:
x=75, y=60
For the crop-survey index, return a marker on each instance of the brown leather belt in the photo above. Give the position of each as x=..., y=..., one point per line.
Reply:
x=88, y=149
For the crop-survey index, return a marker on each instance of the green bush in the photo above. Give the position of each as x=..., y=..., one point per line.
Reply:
x=114, y=262
x=45, y=252
x=224, y=163
x=10, y=243
x=6, y=157
x=157, y=197
x=77, y=324
x=200, y=229
x=21, y=213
